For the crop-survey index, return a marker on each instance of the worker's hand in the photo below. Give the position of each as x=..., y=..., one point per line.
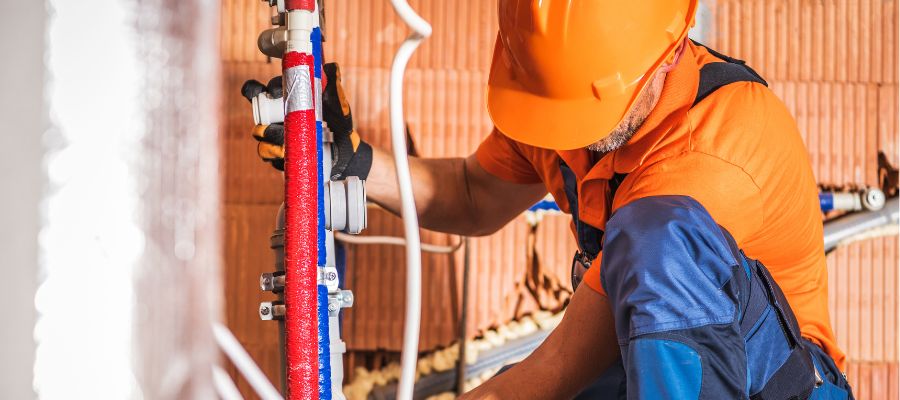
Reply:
x=350, y=155
x=270, y=137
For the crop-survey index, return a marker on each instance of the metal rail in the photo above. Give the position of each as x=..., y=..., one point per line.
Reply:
x=488, y=360
x=847, y=227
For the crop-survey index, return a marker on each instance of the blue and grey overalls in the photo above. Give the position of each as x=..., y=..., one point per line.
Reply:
x=695, y=317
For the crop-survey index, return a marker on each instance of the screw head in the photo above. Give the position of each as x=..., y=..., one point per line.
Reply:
x=331, y=276
x=264, y=311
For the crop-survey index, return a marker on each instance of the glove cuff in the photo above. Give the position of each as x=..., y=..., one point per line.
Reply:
x=359, y=164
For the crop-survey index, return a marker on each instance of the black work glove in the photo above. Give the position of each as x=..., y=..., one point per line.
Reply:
x=270, y=138
x=350, y=155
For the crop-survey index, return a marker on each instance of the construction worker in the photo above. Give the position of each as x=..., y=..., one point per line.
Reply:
x=693, y=202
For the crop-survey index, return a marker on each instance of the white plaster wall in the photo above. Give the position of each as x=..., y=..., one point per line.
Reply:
x=22, y=124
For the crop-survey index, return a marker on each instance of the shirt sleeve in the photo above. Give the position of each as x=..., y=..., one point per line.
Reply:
x=727, y=193
x=501, y=156
x=591, y=278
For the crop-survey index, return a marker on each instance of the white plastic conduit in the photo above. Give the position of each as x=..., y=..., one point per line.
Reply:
x=225, y=387
x=408, y=358
x=244, y=363
x=398, y=241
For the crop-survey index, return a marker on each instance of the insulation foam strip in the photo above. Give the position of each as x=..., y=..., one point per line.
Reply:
x=321, y=255
x=317, y=83
x=324, y=346
x=302, y=185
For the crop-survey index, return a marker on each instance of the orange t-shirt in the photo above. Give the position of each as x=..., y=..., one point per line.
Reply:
x=737, y=152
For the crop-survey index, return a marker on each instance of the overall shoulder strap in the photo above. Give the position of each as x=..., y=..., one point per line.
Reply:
x=589, y=237
x=718, y=74
x=712, y=76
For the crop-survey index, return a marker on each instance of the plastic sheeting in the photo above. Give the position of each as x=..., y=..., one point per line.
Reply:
x=130, y=239
x=177, y=283
x=90, y=238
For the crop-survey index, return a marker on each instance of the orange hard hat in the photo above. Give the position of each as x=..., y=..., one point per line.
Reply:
x=565, y=72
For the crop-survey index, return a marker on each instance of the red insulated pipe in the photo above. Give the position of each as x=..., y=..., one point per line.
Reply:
x=308, y=5
x=301, y=227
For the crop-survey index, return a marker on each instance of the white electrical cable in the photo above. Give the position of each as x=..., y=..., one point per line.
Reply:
x=398, y=241
x=244, y=363
x=225, y=387
x=409, y=352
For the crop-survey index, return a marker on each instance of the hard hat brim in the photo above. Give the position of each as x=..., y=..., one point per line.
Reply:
x=555, y=123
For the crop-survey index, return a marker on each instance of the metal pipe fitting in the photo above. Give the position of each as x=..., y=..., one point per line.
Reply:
x=273, y=42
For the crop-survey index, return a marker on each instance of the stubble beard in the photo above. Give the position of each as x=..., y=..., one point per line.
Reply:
x=619, y=136
x=632, y=122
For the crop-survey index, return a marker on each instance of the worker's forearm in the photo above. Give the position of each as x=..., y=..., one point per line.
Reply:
x=574, y=355
x=439, y=187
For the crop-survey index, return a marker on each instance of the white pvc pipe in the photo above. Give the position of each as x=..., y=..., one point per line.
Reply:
x=421, y=29
x=409, y=355
x=244, y=363
x=225, y=387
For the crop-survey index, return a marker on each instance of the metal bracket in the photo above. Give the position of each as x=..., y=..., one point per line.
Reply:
x=272, y=281
x=328, y=277
x=271, y=310
x=338, y=300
